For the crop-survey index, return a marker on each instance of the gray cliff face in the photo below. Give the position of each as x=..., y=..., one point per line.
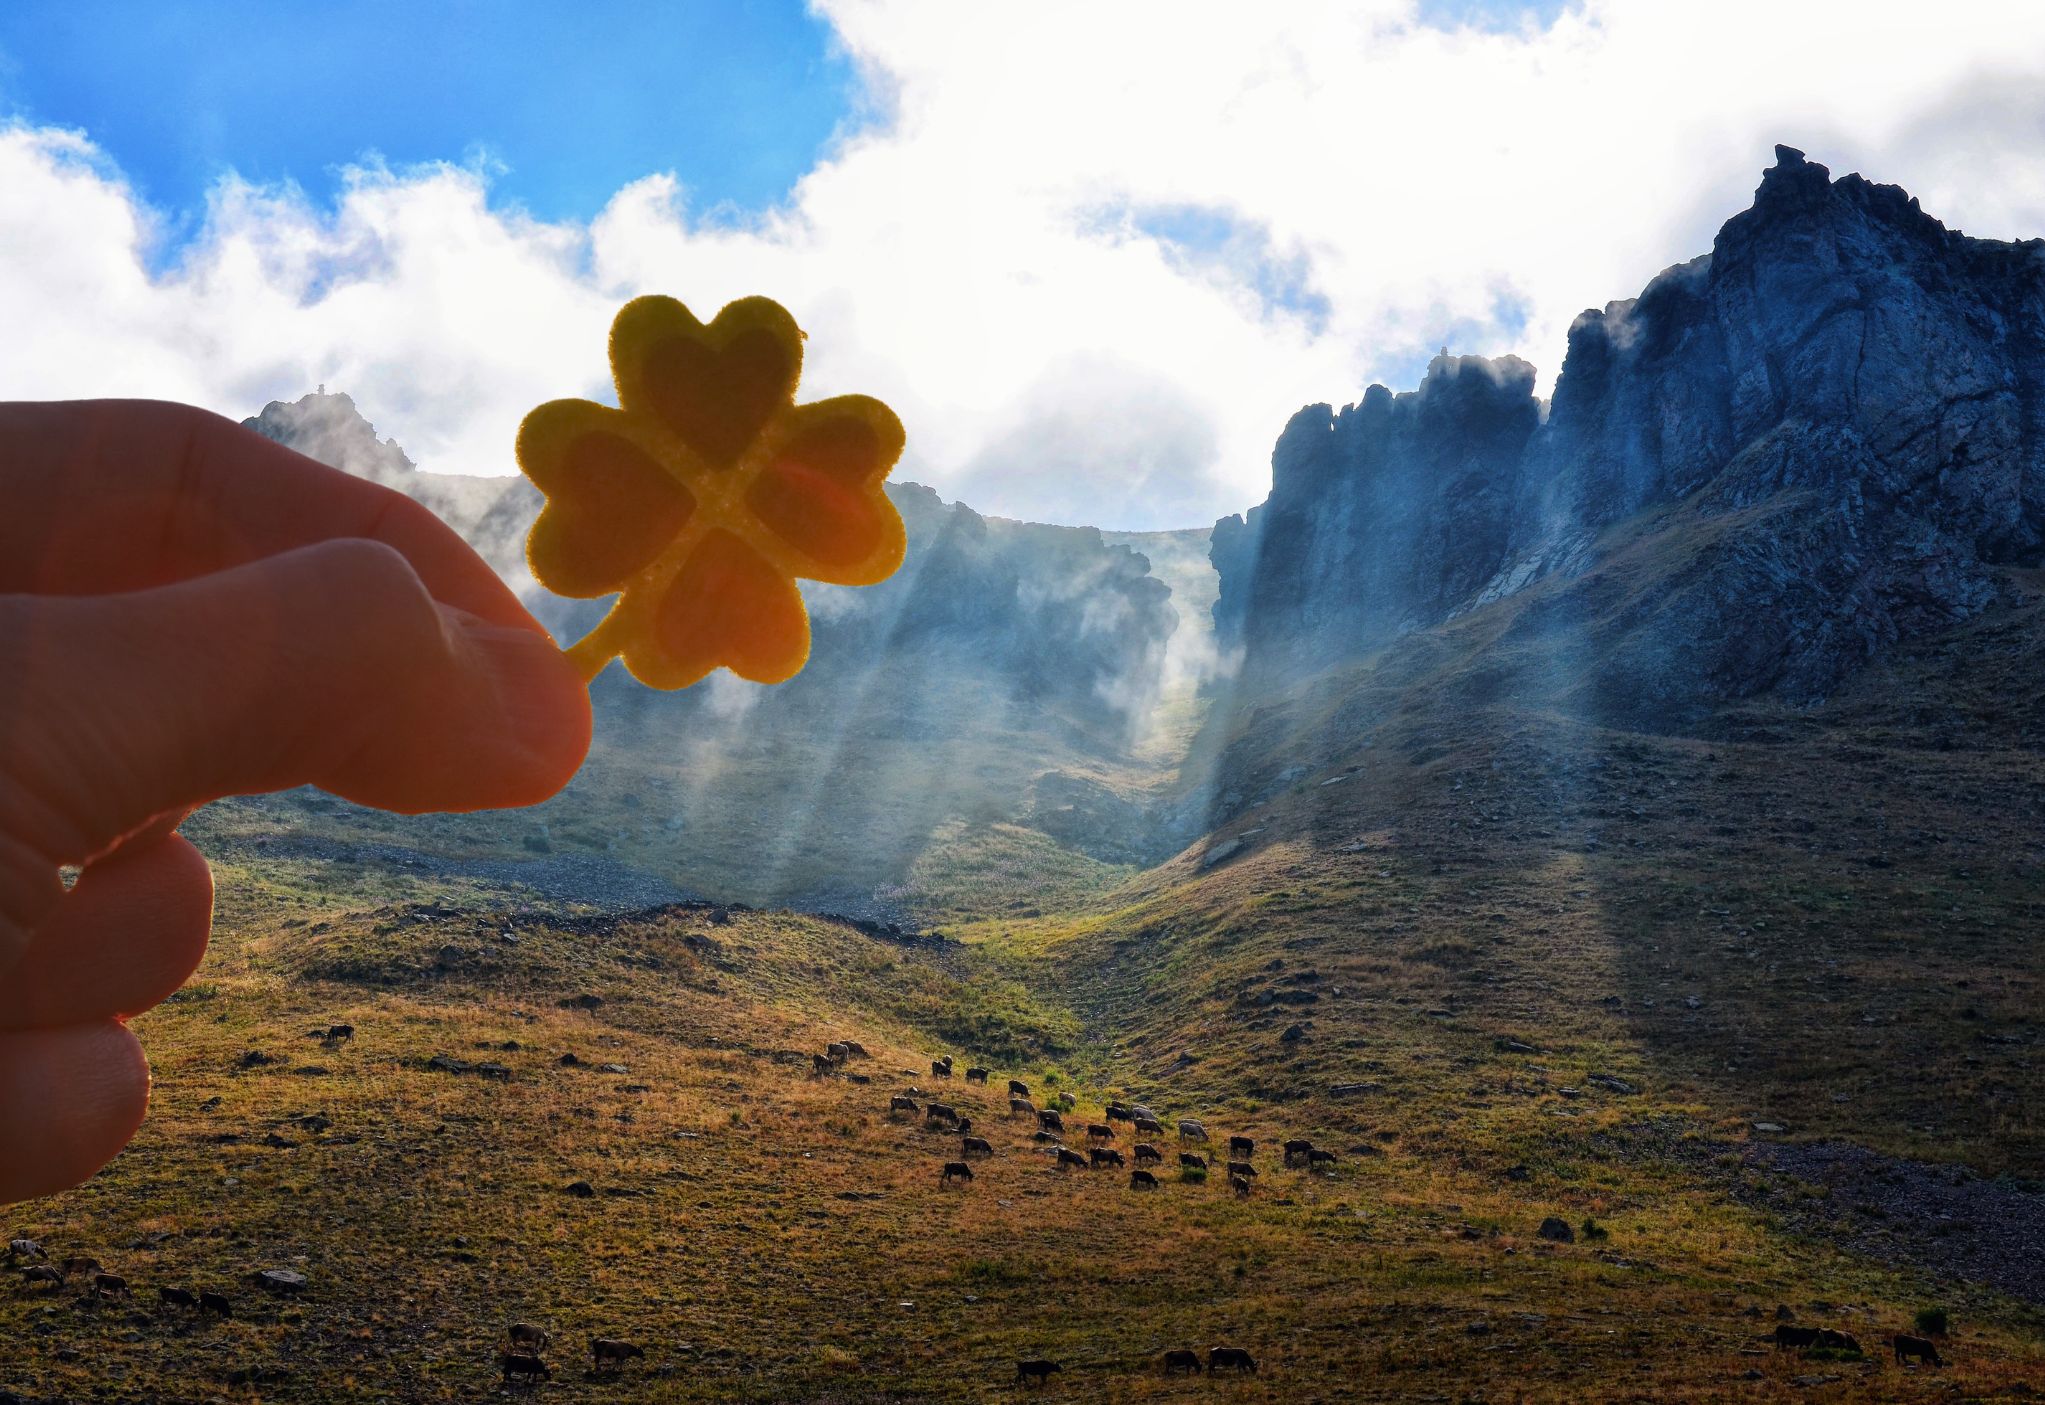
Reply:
x=1781, y=457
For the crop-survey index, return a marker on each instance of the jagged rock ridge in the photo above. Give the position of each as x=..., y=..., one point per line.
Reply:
x=1779, y=458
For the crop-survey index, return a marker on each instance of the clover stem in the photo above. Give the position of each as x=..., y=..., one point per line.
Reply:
x=590, y=653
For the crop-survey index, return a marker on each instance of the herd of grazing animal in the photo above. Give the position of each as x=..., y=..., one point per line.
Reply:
x=39, y=1272
x=524, y=1362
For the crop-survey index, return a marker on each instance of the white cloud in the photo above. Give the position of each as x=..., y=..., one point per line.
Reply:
x=976, y=254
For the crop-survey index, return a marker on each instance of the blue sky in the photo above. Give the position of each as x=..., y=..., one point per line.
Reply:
x=575, y=99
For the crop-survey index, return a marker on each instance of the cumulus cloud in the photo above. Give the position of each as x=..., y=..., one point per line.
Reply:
x=1060, y=222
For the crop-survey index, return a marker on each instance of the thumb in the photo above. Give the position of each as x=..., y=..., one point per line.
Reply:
x=330, y=665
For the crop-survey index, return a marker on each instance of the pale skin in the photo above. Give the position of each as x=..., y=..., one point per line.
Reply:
x=189, y=611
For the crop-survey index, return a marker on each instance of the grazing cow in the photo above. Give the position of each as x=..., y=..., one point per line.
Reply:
x=976, y=1075
x=1787, y=1336
x=1242, y=1146
x=80, y=1263
x=1189, y=1162
x=820, y=1065
x=1017, y=1088
x=530, y=1334
x=336, y=1033
x=855, y=1048
x=1104, y=1156
x=1146, y=1152
x=977, y=1146
x=1919, y=1347
x=1830, y=1340
x=1118, y=1113
x=1149, y=1127
x=941, y=1068
x=1191, y=1131
x=837, y=1053
x=24, y=1249
x=1243, y=1169
x=1233, y=1357
x=898, y=1103
x=1142, y=1180
x=1050, y=1121
x=1099, y=1133
x=955, y=1170
x=44, y=1274
x=217, y=1304
x=1298, y=1149
x=1318, y=1157
x=941, y=1113
x=1068, y=1158
x=1240, y=1186
x=1043, y=1136
x=1035, y=1372
x=525, y=1366
x=609, y=1353
x=1021, y=1107
x=1067, y=1101
x=109, y=1285
x=1179, y=1363
x=177, y=1297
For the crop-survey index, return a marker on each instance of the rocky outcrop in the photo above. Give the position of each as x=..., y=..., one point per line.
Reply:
x=1819, y=438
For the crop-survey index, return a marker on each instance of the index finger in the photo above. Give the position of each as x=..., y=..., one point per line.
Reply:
x=119, y=495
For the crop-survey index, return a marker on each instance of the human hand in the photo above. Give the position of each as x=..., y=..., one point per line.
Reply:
x=187, y=611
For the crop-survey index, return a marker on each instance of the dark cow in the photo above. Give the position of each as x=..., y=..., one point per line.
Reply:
x=1017, y=1088
x=1050, y=1121
x=1118, y=1113
x=1149, y=1127
x=941, y=1068
x=976, y=1075
x=1233, y=1357
x=1021, y=1107
x=976, y=1146
x=837, y=1053
x=855, y=1049
x=1787, y=1336
x=1242, y=1146
x=1189, y=1162
x=955, y=1171
x=1318, y=1157
x=1180, y=1363
x=963, y=1126
x=1146, y=1152
x=109, y=1285
x=1043, y=1136
x=336, y=1033
x=525, y=1366
x=1240, y=1186
x=43, y=1274
x=820, y=1064
x=529, y=1334
x=1142, y=1180
x=217, y=1304
x=1035, y=1372
x=177, y=1297
x=898, y=1103
x=1191, y=1131
x=1829, y=1340
x=1068, y=1158
x=1100, y=1133
x=1104, y=1156
x=1242, y=1168
x=942, y=1114
x=1919, y=1347
x=1297, y=1150
x=610, y=1353
x=80, y=1263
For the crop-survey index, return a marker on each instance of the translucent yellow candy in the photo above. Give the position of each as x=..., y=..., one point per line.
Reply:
x=706, y=493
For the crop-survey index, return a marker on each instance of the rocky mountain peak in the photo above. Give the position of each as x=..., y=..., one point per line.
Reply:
x=329, y=427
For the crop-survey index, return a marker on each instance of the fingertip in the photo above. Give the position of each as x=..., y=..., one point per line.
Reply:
x=70, y=1099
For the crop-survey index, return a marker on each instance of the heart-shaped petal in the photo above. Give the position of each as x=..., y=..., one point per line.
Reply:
x=715, y=386
x=728, y=606
x=820, y=491
x=611, y=509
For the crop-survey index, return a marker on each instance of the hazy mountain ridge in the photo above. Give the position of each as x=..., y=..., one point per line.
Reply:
x=1833, y=419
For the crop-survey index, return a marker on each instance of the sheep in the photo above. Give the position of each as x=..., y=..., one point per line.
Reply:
x=1318, y=1157
x=1104, y=1156
x=1146, y=1152
x=1242, y=1146
x=109, y=1285
x=529, y=1334
x=1050, y=1121
x=1298, y=1149
x=976, y=1075
x=1231, y=1356
x=1096, y=1132
x=898, y=1103
x=177, y=1297
x=1182, y=1362
x=976, y=1146
x=1189, y=1162
x=44, y=1274
x=955, y=1170
x=1191, y=1131
x=607, y=1353
x=1240, y=1186
x=217, y=1304
x=1035, y=1372
x=1142, y=1180
x=1068, y=1158
x=526, y=1365
x=1920, y=1347
x=1021, y=1107
x=1017, y=1088
x=1243, y=1169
